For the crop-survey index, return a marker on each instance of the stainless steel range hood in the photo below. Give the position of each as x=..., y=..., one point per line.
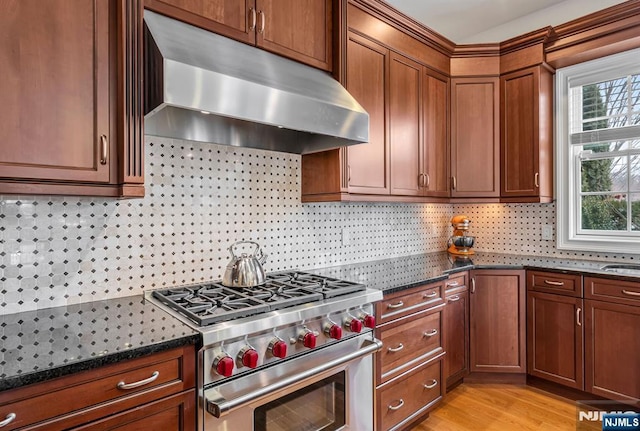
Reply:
x=204, y=87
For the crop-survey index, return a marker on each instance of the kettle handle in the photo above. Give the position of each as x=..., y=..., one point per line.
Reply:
x=257, y=252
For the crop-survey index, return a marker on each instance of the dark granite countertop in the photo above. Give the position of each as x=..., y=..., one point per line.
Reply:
x=44, y=344
x=395, y=274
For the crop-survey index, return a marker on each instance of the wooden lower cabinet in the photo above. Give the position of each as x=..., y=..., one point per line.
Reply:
x=95, y=400
x=456, y=335
x=409, y=375
x=402, y=400
x=555, y=338
x=174, y=413
x=612, y=350
x=497, y=315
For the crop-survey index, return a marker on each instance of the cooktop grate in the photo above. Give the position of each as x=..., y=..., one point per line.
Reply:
x=210, y=303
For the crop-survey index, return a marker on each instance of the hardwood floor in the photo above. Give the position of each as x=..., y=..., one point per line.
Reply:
x=501, y=407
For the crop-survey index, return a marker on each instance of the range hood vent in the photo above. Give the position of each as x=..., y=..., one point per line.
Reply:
x=204, y=87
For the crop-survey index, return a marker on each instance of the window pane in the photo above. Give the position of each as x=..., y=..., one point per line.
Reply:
x=634, y=166
x=635, y=212
x=607, y=212
x=604, y=175
x=604, y=105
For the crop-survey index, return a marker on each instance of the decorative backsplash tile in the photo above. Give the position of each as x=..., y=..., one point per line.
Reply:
x=200, y=199
x=203, y=197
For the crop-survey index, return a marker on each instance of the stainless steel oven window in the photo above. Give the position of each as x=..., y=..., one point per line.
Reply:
x=317, y=407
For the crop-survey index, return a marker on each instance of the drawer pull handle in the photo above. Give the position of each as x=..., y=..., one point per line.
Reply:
x=429, y=295
x=578, y=321
x=10, y=418
x=396, y=305
x=395, y=349
x=104, y=150
x=554, y=283
x=630, y=293
x=126, y=386
x=431, y=333
x=453, y=284
x=252, y=13
x=454, y=298
x=397, y=406
x=433, y=384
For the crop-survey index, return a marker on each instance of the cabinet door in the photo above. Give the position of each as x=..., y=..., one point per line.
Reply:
x=554, y=338
x=526, y=114
x=404, y=125
x=475, y=137
x=55, y=90
x=497, y=314
x=299, y=29
x=435, y=103
x=231, y=18
x=367, y=74
x=612, y=350
x=456, y=336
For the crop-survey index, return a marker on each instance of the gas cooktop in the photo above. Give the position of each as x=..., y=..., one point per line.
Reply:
x=206, y=304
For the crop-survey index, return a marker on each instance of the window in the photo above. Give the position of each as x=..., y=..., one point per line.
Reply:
x=598, y=154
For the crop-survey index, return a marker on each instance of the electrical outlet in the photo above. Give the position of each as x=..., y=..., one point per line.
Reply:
x=346, y=236
x=547, y=232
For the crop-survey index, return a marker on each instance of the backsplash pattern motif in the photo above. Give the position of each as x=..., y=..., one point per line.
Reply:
x=203, y=197
x=200, y=199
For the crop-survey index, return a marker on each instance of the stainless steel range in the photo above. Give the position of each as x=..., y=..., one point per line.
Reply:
x=292, y=354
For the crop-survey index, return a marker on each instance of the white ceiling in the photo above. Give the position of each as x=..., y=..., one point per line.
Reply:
x=488, y=21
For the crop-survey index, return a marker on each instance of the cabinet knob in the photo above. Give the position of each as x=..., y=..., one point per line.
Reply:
x=536, y=180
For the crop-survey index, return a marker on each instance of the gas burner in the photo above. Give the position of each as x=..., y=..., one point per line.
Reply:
x=207, y=304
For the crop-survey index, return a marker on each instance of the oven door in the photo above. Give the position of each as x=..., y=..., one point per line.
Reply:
x=327, y=390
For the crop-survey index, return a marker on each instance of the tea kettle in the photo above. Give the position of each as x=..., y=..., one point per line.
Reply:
x=245, y=270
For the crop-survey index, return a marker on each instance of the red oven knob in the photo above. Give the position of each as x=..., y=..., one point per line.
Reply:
x=278, y=348
x=369, y=321
x=334, y=331
x=223, y=364
x=249, y=357
x=309, y=339
x=354, y=325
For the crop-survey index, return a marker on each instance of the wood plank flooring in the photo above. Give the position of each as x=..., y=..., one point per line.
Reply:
x=501, y=407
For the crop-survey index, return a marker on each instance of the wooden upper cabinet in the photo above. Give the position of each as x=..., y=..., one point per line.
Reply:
x=526, y=103
x=298, y=29
x=475, y=137
x=435, y=146
x=367, y=76
x=404, y=125
x=231, y=18
x=54, y=116
x=68, y=118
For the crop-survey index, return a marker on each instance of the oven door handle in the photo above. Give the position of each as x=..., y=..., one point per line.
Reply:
x=222, y=406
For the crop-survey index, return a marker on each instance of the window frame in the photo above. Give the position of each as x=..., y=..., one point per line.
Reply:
x=567, y=171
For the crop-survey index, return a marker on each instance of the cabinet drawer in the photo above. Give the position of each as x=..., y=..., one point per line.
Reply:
x=410, y=301
x=409, y=343
x=623, y=292
x=455, y=281
x=159, y=375
x=554, y=282
x=406, y=398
